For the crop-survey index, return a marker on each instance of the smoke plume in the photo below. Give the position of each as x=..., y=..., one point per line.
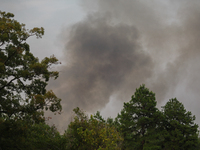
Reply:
x=123, y=44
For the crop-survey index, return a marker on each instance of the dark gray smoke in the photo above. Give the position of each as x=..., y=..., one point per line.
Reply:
x=103, y=58
x=122, y=44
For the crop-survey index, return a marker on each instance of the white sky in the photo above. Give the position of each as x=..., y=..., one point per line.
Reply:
x=50, y=14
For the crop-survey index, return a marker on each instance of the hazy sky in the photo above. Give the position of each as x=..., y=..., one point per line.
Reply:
x=110, y=47
x=53, y=15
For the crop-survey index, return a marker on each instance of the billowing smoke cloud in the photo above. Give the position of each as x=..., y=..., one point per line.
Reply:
x=103, y=58
x=122, y=44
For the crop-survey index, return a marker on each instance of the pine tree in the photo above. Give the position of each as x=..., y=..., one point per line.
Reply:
x=139, y=121
x=180, y=131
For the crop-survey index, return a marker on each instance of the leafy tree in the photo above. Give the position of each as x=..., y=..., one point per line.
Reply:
x=139, y=121
x=91, y=133
x=23, y=79
x=180, y=130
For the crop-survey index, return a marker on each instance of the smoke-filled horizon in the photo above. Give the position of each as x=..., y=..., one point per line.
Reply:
x=123, y=44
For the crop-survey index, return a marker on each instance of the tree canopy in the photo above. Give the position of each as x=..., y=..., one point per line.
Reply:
x=180, y=130
x=143, y=126
x=23, y=78
x=92, y=133
x=23, y=81
x=139, y=120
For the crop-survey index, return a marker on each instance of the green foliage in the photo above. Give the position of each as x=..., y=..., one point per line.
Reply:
x=23, y=79
x=24, y=135
x=180, y=130
x=23, y=95
x=138, y=121
x=144, y=127
x=13, y=134
x=42, y=136
x=91, y=133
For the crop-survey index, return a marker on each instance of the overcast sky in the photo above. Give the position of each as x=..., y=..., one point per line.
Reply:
x=110, y=47
x=53, y=15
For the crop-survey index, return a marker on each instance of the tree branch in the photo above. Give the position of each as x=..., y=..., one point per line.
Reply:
x=21, y=83
x=2, y=43
x=8, y=83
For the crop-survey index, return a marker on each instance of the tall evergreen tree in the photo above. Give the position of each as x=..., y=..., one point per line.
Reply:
x=139, y=121
x=180, y=131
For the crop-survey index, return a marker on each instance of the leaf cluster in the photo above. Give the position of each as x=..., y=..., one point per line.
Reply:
x=92, y=133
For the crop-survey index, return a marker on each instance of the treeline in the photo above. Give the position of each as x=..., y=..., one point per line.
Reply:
x=24, y=98
x=139, y=126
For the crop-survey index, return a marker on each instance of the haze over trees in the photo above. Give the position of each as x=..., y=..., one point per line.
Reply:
x=24, y=98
